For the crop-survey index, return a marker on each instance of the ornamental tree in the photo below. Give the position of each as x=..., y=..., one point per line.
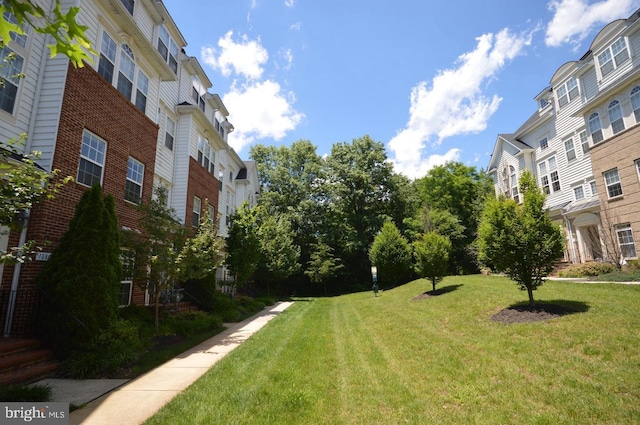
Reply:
x=432, y=257
x=391, y=253
x=520, y=239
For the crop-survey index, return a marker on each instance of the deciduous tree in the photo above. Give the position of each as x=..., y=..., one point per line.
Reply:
x=520, y=239
x=391, y=253
x=432, y=256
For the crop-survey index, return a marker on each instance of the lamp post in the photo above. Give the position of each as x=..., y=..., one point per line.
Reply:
x=374, y=276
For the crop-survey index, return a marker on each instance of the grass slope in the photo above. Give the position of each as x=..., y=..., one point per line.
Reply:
x=358, y=359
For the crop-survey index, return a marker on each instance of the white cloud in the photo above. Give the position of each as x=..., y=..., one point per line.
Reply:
x=287, y=56
x=289, y=3
x=260, y=110
x=296, y=26
x=454, y=102
x=245, y=57
x=573, y=20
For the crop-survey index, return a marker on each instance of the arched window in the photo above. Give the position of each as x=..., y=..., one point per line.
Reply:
x=635, y=102
x=615, y=117
x=595, y=128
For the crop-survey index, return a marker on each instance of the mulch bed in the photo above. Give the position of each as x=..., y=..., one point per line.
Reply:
x=527, y=313
x=521, y=313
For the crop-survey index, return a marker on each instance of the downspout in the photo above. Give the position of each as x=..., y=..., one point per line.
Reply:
x=16, y=278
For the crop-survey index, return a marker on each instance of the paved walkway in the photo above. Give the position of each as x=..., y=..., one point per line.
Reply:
x=139, y=399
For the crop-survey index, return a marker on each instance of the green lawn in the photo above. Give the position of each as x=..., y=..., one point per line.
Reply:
x=357, y=359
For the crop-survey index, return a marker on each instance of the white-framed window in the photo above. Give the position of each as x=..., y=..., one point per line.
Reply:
x=197, y=207
x=637, y=162
x=133, y=186
x=625, y=240
x=107, y=61
x=206, y=155
x=544, y=144
x=128, y=4
x=612, y=183
x=510, y=183
x=128, y=260
x=169, y=133
x=584, y=142
x=634, y=97
x=615, y=117
x=12, y=68
x=549, y=178
x=578, y=192
x=92, y=157
x=613, y=56
x=568, y=91
x=594, y=188
x=212, y=214
x=12, y=57
x=168, y=48
x=198, y=91
x=130, y=81
x=570, y=149
x=595, y=128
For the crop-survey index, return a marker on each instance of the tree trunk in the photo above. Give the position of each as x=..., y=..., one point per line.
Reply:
x=433, y=284
x=157, y=312
x=530, y=292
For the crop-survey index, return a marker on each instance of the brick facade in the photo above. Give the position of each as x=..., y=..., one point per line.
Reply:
x=203, y=185
x=91, y=103
x=621, y=152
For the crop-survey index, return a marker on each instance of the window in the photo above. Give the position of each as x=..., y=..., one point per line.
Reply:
x=615, y=117
x=637, y=162
x=612, y=182
x=543, y=103
x=19, y=39
x=578, y=192
x=133, y=186
x=141, y=91
x=107, y=61
x=212, y=214
x=549, y=178
x=595, y=128
x=625, y=240
x=584, y=141
x=127, y=258
x=169, y=132
x=12, y=67
x=92, y=155
x=571, y=151
x=127, y=72
x=544, y=144
x=197, y=93
x=613, y=56
x=130, y=81
x=128, y=4
x=567, y=92
x=635, y=102
x=168, y=48
x=197, y=207
x=594, y=188
x=206, y=155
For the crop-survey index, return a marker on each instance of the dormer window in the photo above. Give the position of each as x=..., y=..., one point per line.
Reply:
x=168, y=48
x=544, y=144
x=613, y=56
x=567, y=92
x=543, y=103
x=198, y=91
x=128, y=4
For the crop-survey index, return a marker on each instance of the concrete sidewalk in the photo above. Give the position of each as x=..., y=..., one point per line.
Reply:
x=139, y=399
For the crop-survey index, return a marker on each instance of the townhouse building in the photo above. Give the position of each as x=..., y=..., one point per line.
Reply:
x=140, y=116
x=583, y=145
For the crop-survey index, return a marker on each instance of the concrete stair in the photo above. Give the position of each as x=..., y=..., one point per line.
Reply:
x=24, y=360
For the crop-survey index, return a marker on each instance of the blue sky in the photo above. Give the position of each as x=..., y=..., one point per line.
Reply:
x=434, y=82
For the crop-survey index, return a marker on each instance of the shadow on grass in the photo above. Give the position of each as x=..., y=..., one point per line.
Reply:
x=439, y=291
x=523, y=312
x=559, y=307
